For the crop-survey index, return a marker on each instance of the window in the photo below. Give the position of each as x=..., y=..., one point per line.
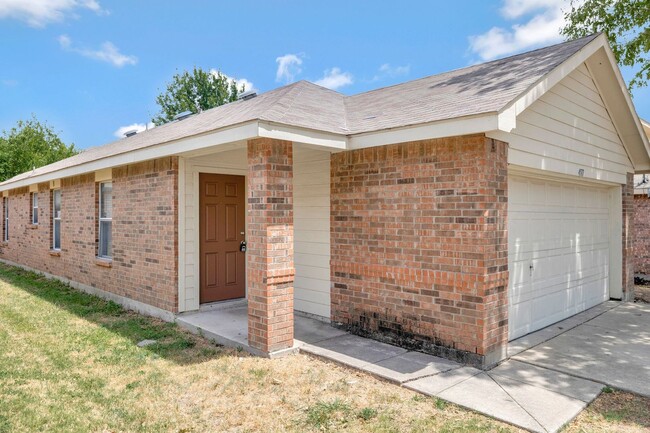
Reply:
x=34, y=208
x=105, y=219
x=5, y=221
x=56, y=219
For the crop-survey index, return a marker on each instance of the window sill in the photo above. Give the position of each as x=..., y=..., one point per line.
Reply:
x=4, y=243
x=55, y=253
x=32, y=226
x=105, y=263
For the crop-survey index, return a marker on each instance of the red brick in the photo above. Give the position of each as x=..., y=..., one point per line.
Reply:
x=270, y=269
x=423, y=224
x=145, y=220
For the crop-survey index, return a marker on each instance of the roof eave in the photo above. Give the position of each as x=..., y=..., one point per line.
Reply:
x=467, y=125
x=600, y=61
x=193, y=144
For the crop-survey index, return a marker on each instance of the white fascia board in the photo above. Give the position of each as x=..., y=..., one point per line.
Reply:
x=646, y=127
x=445, y=128
x=618, y=102
x=236, y=133
x=302, y=135
x=525, y=100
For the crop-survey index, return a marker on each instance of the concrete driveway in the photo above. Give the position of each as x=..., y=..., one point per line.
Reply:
x=612, y=348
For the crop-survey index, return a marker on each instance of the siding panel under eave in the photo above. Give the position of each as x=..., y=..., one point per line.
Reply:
x=311, y=199
x=569, y=129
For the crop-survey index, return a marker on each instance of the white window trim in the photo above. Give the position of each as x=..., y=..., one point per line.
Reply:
x=55, y=219
x=35, y=208
x=100, y=219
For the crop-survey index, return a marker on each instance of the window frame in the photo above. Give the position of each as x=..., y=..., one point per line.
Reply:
x=56, y=218
x=100, y=220
x=34, y=208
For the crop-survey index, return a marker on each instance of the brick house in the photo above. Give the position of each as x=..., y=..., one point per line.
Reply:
x=642, y=218
x=449, y=214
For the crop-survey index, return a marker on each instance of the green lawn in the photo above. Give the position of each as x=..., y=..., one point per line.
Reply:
x=69, y=363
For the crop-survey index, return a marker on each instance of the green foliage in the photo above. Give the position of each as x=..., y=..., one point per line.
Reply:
x=627, y=26
x=367, y=413
x=441, y=404
x=323, y=415
x=195, y=91
x=30, y=144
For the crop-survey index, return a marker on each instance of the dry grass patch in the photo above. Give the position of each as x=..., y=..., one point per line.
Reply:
x=69, y=363
x=614, y=411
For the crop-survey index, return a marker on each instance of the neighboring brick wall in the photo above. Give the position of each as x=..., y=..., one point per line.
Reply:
x=419, y=245
x=270, y=268
x=145, y=250
x=642, y=234
x=628, y=238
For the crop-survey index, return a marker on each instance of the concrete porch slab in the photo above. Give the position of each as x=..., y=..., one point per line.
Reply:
x=227, y=324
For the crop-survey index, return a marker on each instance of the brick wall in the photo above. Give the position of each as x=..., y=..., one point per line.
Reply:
x=642, y=234
x=270, y=269
x=145, y=212
x=419, y=245
x=628, y=238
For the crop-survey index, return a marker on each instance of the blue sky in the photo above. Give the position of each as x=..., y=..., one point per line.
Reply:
x=91, y=67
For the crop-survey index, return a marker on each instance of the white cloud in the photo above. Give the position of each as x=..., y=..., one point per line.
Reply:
x=334, y=79
x=542, y=28
x=393, y=71
x=248, y=85
x=388, y=71
x=288, y=67
x=108, y=52
x=513, y=9
x=65, y=41
x=39, y=13
x=134, y=126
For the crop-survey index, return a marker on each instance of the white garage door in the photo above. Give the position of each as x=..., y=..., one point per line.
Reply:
x=558, y=251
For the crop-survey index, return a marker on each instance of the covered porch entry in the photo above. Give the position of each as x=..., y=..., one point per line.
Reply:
x=254, y=238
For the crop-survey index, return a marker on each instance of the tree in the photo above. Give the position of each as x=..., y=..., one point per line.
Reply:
x=627, y=26
x=196, y=91
x=28, y=145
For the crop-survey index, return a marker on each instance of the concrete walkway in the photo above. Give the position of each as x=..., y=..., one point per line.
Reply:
x=526, y=396
x=612, y=348
x=552, y=375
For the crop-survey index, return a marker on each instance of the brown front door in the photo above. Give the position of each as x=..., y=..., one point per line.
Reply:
x=222, y=204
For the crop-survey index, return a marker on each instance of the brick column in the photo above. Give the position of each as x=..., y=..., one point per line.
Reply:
x=270, y=270
x=628, y=238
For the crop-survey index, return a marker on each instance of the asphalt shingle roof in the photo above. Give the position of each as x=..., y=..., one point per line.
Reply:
x=478, y=89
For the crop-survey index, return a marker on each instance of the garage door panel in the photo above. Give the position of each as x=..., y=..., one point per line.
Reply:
x=562, y=231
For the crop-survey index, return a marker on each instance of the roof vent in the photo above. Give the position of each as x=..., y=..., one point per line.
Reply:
x=130, y=133
x=247, y=95
x=183, y=115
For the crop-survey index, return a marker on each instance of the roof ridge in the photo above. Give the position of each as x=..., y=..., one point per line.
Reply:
x=289, y=95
